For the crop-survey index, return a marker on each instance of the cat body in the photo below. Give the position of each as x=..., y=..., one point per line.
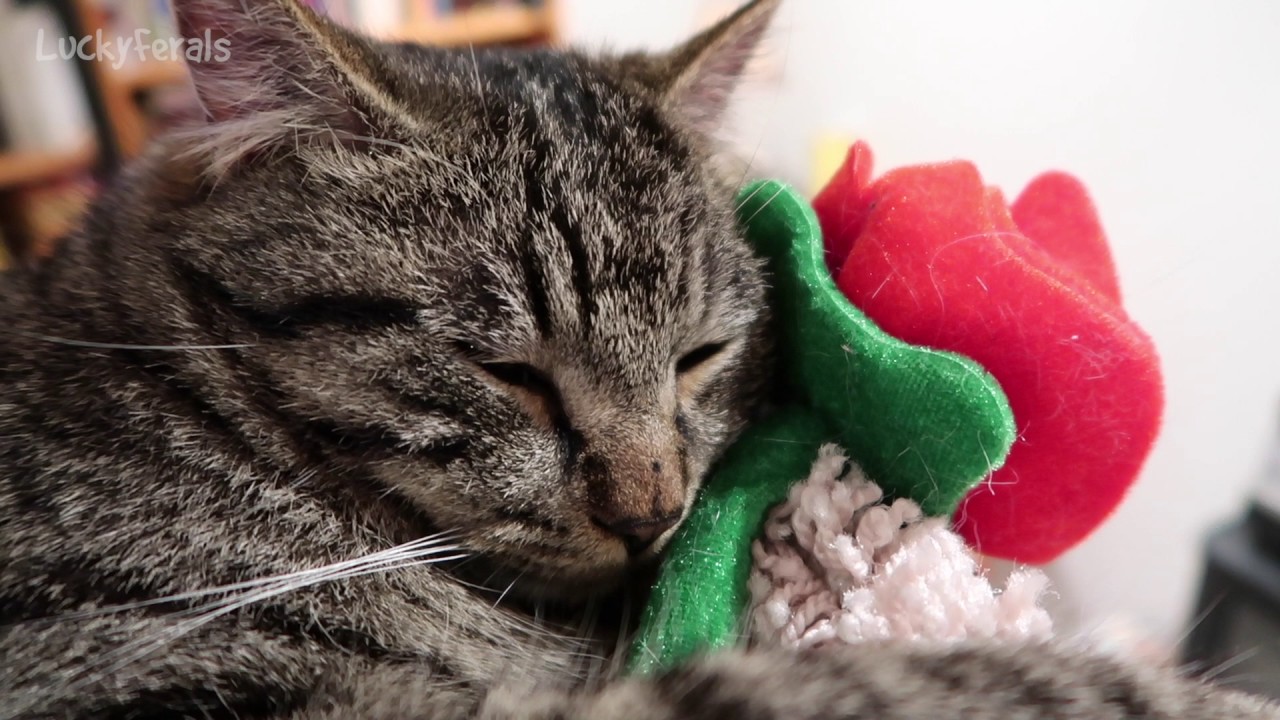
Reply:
x=353, y=401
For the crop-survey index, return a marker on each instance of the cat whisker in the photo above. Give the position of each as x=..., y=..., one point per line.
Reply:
x=429, y=542
x=377, y=141
x=382, y=561
x=619, y=654
x=125, y=346
x=766, y=204
x=769, y=116
x=369, y=564
x=533, y=626
x=743, y=202
x=503, y=595
x=475, y=64
x=592, y=663
x=1197, y=621
x=1214, y=673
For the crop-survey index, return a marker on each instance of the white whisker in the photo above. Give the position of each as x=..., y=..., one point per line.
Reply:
x=766, y=204
x=123, y=346
x=421, y=543
x=1212, y=674
x=769, y=117
x=742, y=203
x=417, y=553
x=510, y=585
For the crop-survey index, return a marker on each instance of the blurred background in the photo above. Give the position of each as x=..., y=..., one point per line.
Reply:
x=1168, y=110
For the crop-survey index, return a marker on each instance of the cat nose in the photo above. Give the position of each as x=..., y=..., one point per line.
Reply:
x=638, y=534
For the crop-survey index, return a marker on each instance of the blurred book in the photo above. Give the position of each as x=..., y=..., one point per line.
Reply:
x=386, y=16
x=41, y=104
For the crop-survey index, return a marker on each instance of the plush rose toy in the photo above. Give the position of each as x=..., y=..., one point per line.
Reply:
x=939, y=262
x=1030, y=292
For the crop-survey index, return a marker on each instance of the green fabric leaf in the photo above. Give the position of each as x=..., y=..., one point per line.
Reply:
x=924, y=424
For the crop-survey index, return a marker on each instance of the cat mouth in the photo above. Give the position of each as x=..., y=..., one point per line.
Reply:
x=592, y=565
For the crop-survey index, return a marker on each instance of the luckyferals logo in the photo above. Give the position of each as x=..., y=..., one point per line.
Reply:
x=141, y=46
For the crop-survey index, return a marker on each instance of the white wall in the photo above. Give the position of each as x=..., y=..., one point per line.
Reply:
x=1170, y=112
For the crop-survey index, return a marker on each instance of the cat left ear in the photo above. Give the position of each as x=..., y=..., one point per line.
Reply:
x=272, y=74
x=701, y=75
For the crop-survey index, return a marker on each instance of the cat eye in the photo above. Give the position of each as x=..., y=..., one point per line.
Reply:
x=541, y=396
x=542, y=399
x=698, y=357
x=523, y=376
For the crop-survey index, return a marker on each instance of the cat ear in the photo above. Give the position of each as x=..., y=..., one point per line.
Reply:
x=701, y=75
x=271, y=74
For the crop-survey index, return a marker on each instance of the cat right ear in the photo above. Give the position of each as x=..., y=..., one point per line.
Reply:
x=698, y=78
x=271, y=74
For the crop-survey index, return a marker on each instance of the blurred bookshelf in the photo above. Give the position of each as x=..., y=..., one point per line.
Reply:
x=66, y=124
x=22, y=168
x=491, y=24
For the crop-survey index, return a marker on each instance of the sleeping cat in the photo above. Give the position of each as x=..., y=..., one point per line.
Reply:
x=362, y=399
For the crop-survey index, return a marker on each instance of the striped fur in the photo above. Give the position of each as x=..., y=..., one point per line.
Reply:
x=1032, y=682
x=356, y=400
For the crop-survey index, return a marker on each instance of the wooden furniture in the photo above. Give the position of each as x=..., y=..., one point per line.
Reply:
x=492, y=25
x=484, y=25
x=116, y=96
x=24, y=168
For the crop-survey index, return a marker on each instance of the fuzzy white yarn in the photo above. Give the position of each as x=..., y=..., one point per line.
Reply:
x=837, y=565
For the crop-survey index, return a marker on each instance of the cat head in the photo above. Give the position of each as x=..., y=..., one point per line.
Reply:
x=506, y=287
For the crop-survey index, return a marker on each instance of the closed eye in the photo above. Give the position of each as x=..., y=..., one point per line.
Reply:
x=541, y=397
x=693, y=360
x=354, y=311
x=359, y=312
x=535, y=387
x=523, y=376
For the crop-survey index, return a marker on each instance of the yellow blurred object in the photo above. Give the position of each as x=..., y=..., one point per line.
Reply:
x=829, y=151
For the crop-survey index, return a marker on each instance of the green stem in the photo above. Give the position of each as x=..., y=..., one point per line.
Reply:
x=700, y=598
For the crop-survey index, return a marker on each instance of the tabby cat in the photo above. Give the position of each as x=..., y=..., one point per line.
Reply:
x=363, y=398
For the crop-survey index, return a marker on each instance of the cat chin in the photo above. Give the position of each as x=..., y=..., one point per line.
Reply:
x=569, y=591
x=572, y=585
x=517, y=577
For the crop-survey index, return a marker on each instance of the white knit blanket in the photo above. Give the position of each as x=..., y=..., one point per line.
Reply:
x=837, y=565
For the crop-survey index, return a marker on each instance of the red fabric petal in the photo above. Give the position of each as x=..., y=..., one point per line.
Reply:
x=1055, y=212
x=940, y=261
x=843, y=202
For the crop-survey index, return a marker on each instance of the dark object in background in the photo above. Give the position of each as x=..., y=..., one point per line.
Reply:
x=1236, y=633
x=108, y=150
